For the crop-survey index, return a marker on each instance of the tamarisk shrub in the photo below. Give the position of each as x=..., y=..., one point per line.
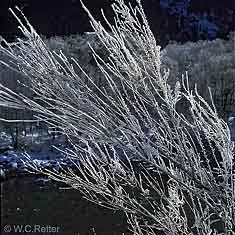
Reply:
x=133, y=150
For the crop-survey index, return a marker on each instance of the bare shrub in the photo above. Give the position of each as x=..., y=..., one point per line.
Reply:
x=133, y=150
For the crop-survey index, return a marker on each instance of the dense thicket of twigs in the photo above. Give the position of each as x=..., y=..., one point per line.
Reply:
x=136, y=153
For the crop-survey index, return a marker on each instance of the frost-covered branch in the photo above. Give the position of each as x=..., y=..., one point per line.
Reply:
x=133, y=150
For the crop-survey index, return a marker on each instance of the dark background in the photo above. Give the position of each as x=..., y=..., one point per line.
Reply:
x=64, y=17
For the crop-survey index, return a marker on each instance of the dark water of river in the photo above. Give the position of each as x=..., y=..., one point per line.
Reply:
x=46, y=209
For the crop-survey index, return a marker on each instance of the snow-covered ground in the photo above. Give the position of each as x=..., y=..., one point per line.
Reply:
x=41, y=152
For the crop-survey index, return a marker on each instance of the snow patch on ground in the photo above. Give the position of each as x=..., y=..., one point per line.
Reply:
x=41, y=153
